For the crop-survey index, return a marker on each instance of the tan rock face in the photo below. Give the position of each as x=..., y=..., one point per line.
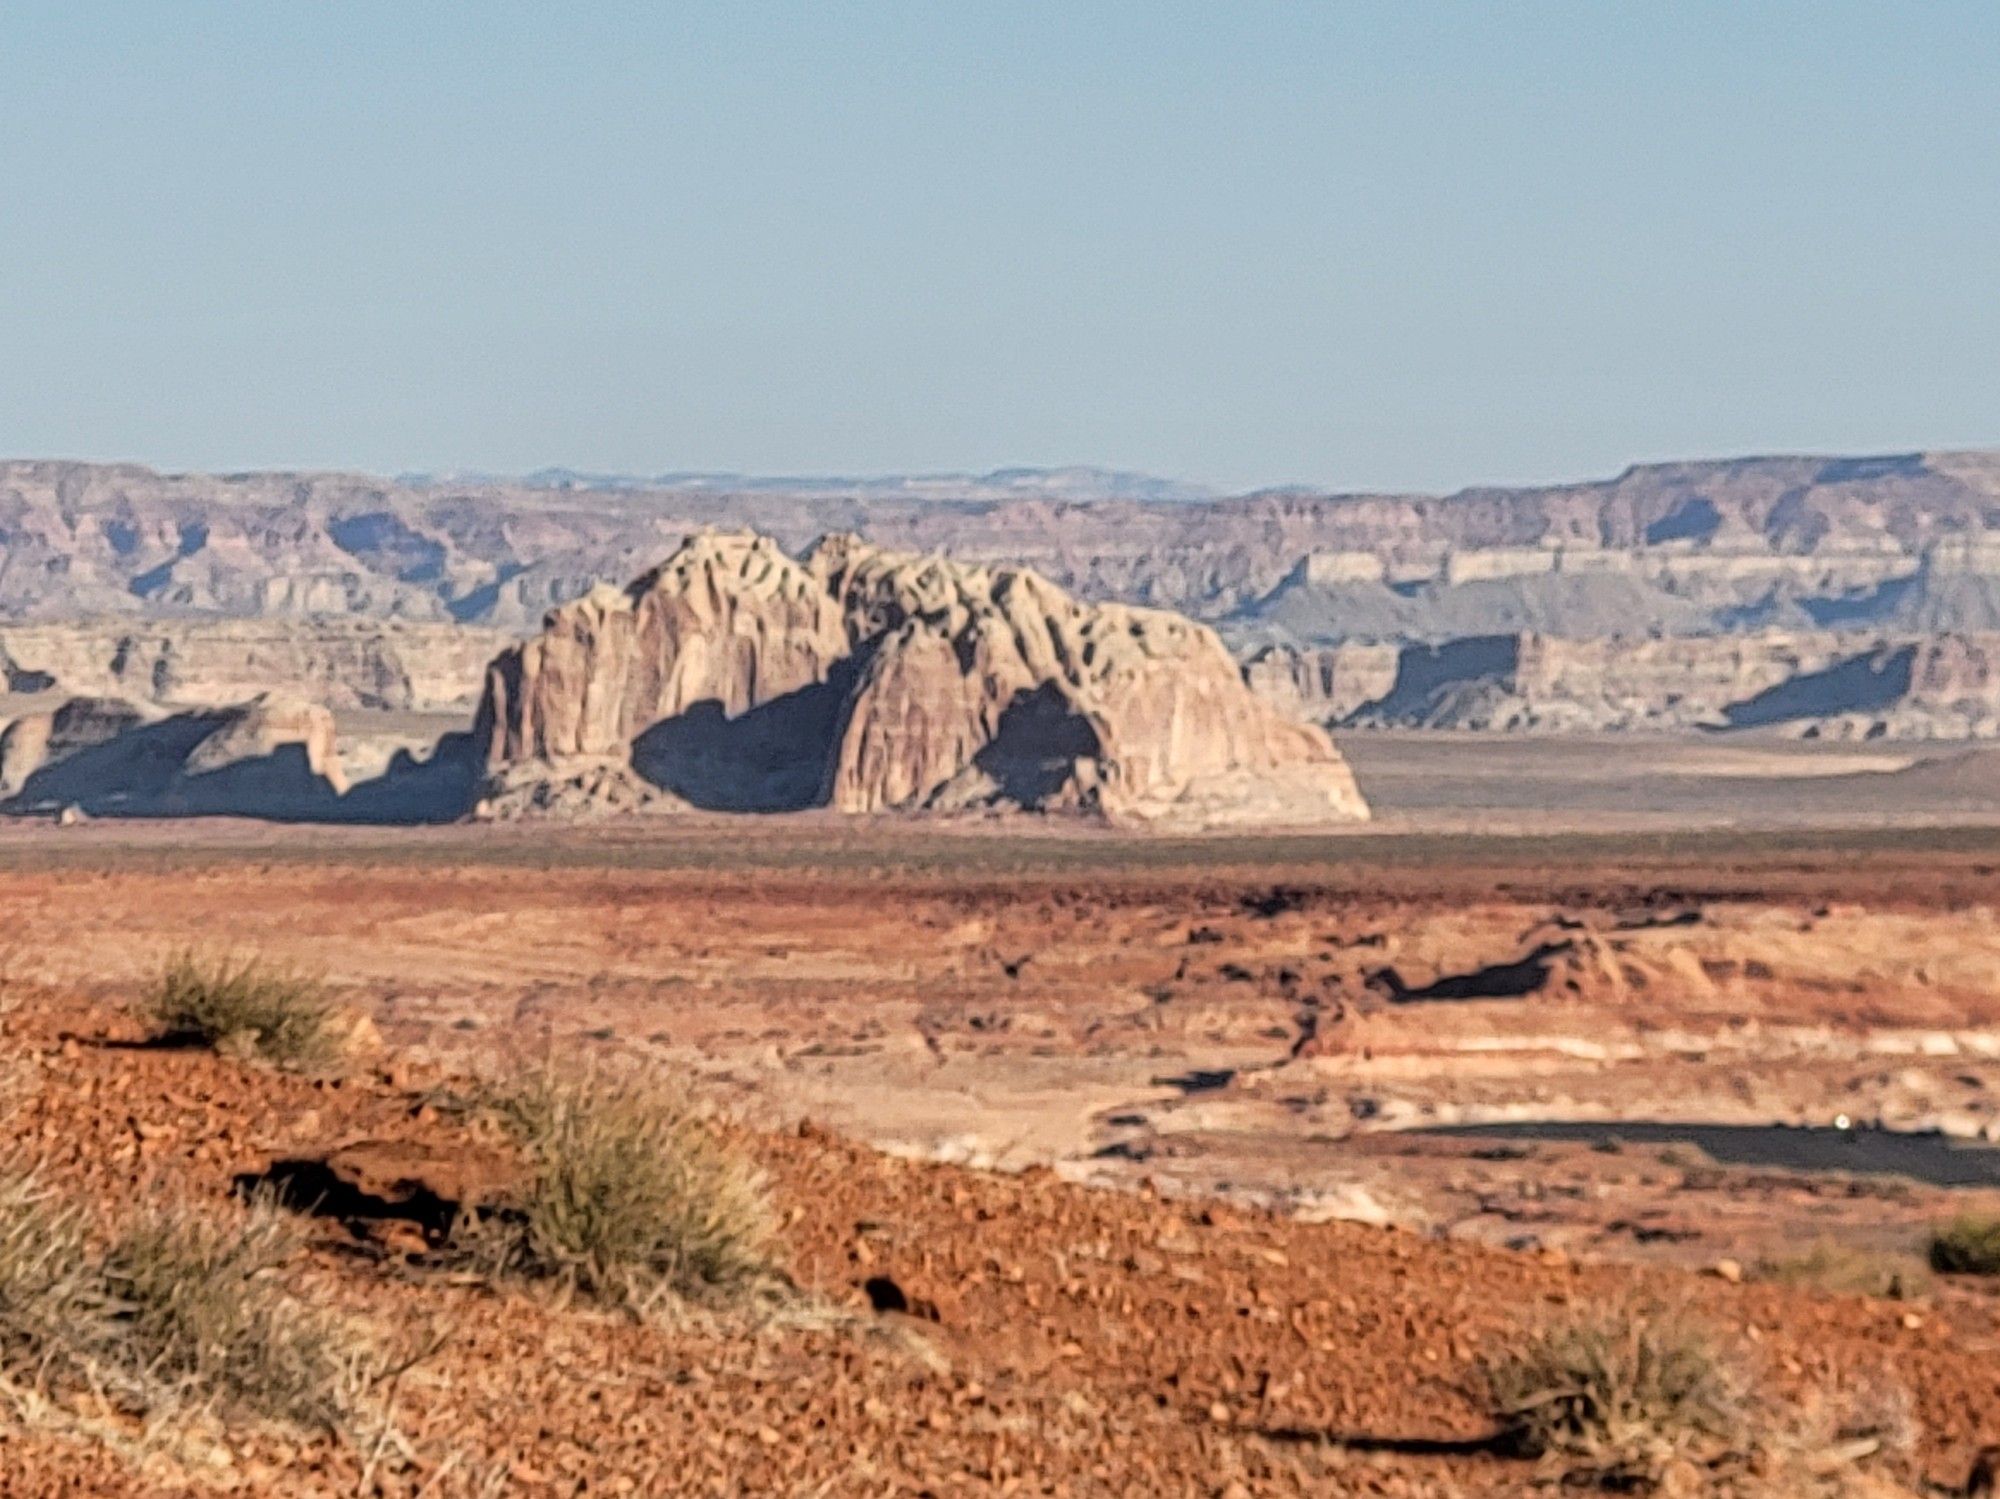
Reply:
x=729, y=621
x=35, y=740
x=342, y=663
x=267, y=726
x=1326, y=683
x=735, y=677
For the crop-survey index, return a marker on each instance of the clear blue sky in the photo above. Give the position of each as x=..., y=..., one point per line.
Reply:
x=1405, y=245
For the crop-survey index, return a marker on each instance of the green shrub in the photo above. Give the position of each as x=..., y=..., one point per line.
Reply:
x=1968, y=1245
x=631, y=1194
x=246, y=1006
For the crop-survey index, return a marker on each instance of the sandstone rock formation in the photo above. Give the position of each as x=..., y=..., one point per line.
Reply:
x=1326, y=684
x=734, y=677
x=584, y=788
x=1819, y=684
x=35, y=741
x=269, y=757
x=267, y=726
x=340, y=663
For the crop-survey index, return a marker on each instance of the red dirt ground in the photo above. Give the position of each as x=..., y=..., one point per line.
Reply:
x=1085, y=1341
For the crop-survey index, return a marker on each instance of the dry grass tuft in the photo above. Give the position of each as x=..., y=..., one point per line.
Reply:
x=181, y=1313
x=247, y=1007
x=1968, y=1245
x=1620, y=1397
x=1643, y=1397
x=1843, y=1271
x=203, y=1311
x=57, y=1326
x=632, y=1195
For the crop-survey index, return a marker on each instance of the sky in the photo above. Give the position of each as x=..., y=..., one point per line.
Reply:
x=1404, y=245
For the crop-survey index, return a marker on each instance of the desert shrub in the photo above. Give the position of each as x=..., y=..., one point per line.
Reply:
x=632, y=1195
x=1851, y=1272
x=1844, y=1438
x=1637, y=1396
x=1622, y=1394
x=180, y=1311
x=1968, y=1245
x=245, y=1005
x=203, y=1311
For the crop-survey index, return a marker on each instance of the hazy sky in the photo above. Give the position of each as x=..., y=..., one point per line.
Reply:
x=1395, y=245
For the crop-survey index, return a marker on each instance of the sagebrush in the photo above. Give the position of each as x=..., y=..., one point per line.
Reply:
x=204, y=1310
x=58, y=1329
x=1619, y=1396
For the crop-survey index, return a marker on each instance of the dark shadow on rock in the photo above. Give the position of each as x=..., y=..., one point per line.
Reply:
x=771, y=758
x=1492, y=1443
x=1693, y=519
x=164, y=1041
x=480, y=602
x=438, y=788
x=1036, y=745
x=1516, y=980
x=1201, y=1080
x=279, y=787
x=315, y=1188
x=1277, y=901
x=388, y=544
x=1860, y=684
x=1877, y=605
x=140, y=773
x=1424, y=671
x=128, y=775
x=24, y=680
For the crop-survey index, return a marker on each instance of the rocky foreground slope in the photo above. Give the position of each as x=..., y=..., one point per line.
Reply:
x=1174, y=1026
x=735, y=678
x=954, y=1332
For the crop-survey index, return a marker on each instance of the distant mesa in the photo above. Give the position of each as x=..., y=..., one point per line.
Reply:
x=734, y=678
x=1802, y=684
x=1903, y=541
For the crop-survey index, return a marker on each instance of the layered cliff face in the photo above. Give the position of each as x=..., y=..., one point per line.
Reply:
x=736, y=678
x=1662, y=546
x=340, y=663
x=1820, y=684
